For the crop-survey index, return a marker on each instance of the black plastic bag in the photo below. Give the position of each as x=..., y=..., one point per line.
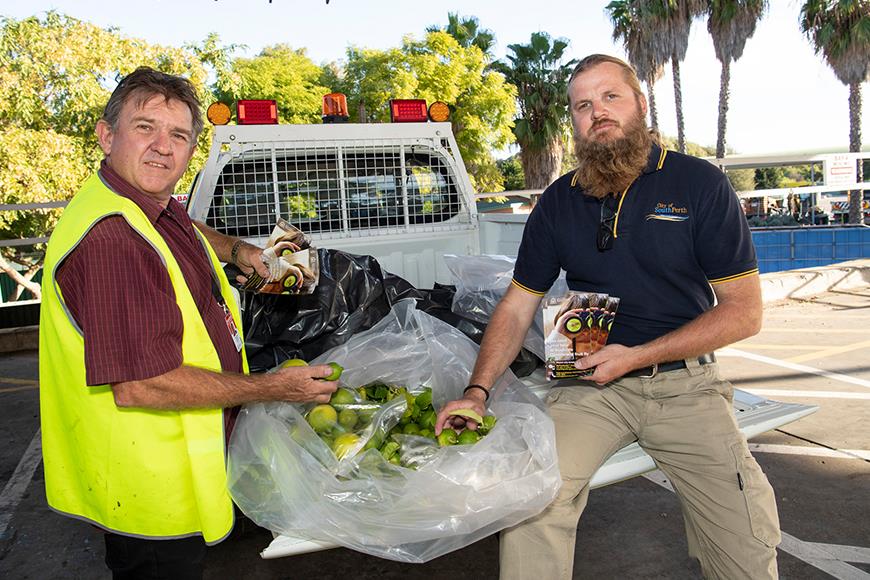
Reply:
x=353, y=294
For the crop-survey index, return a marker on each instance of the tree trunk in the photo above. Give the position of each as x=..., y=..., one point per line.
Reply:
x=723, y=108
x=34, y=288
x=678, y=102
x=361, y=112
x=653, y=110
x=541, y=168
x=856, y=197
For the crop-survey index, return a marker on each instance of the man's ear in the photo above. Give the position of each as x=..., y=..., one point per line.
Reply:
x=643, y=106
x=104, y=136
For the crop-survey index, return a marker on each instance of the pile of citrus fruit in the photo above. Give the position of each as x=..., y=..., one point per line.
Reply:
x=347, y=423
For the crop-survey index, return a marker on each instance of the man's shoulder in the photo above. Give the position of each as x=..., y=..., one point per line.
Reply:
x=562, y=184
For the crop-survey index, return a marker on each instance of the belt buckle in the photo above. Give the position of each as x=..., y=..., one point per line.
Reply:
x=655, y=371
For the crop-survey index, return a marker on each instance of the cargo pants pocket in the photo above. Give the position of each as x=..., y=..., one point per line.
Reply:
x=758, y=495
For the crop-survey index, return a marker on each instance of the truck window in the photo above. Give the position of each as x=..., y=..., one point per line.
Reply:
x=332, y=191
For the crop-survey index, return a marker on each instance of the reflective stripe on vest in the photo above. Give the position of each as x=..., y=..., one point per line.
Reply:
x=139, y=472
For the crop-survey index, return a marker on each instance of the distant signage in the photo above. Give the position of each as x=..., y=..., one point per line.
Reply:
x=841, y=169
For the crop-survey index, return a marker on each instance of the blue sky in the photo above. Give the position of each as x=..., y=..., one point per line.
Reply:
x=784, y=98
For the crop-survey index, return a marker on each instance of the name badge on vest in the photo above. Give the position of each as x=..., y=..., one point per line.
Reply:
x=231, y=326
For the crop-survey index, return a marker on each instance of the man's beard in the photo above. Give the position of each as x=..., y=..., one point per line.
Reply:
x=609, y=167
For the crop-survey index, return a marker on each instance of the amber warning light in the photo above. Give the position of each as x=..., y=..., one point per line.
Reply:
x=257, y=112
x=335, y=108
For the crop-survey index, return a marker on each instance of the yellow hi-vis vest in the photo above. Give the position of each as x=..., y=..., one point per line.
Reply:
x=138, y=472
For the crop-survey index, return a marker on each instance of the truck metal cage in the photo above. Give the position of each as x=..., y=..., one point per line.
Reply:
x=333, y=182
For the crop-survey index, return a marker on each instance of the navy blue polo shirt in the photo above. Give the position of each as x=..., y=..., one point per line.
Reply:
x=679, y=229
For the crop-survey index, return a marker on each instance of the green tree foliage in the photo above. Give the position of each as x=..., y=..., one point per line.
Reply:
x=468, y=33
x=281, y=73
x=769, y=177
x=840, y=31
x=541, y=76
x=731, y=23
x=437, y=68
x=56, y=74
x=512, y=173
x=741, y=179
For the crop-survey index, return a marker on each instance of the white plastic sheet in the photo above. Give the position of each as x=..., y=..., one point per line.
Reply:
x=286, y=479
x=481, y=281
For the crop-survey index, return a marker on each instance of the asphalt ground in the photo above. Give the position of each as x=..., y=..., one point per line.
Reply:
x=813, y=351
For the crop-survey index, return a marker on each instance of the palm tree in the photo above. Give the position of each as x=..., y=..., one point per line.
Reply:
x=644, y=49
x=840, y=30
x=536, y=69
x=671, y=21
x=467, y=33
x=731, y=23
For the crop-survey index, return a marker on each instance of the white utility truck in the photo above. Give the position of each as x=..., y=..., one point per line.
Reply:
x=398, y=192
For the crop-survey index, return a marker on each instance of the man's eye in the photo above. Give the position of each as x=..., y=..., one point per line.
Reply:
x=143, y=127
x=581, y=106
x=181, y=137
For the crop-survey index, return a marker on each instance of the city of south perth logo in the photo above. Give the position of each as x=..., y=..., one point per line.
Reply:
x=668, y=212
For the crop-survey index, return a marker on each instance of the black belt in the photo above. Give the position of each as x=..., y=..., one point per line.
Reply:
x=650, y=372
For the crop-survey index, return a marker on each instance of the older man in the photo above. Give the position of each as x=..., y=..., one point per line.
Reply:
x=664, y=232
x=140, y=347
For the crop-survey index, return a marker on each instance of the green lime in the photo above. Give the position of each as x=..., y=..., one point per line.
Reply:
x=344, y=444
x=447, y=437
x=427, y=419
x=411, y=429
x=322, y=418
x=347, y=418
x=487, y=424
x=342, y=397
x=428, y=433
x=293, y=362
x=469, y=437
x=336, y=372
x=290, y=281
x=286, y=252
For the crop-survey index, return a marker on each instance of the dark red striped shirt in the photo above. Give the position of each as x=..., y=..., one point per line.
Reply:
x=120, y=294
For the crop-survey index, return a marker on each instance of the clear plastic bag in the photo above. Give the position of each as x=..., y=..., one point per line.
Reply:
x=481, y=281
x=286, y=479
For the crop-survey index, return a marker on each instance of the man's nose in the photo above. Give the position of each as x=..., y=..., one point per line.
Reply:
x=599, y=110
x=162, y=143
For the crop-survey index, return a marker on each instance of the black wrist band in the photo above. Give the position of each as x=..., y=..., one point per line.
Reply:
x=482, y=388
x=234, y=253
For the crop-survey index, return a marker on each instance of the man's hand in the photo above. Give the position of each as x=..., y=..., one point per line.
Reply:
x=306, y=384
x=474, y=399
x=250, y=258
x=610, y=363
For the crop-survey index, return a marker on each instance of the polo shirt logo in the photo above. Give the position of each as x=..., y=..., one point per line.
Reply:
x=668, y=212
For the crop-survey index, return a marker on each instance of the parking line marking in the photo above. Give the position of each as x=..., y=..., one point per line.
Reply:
x=810, y=451
x=808, y=394
x=17, y=484
x=830, y=558
x=12, y=381
x=829, y=351
x=14, y=389
x=793, y=366
x=776, y=346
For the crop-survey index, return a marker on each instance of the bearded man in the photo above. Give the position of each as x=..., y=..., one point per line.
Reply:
x=665, y=233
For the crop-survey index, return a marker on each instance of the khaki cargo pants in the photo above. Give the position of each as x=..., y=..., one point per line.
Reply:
x=684, y=420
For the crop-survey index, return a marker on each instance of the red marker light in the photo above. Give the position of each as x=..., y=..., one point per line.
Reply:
x=257, y=112
x=408, y=111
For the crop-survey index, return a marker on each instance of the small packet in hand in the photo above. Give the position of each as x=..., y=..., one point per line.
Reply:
x=292, y=262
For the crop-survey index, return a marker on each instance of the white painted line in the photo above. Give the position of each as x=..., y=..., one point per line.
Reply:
x=810, y=451
x=818, y=556
x=830, y=558
x=793, y=366
x=807, y=394
x=17, y=484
